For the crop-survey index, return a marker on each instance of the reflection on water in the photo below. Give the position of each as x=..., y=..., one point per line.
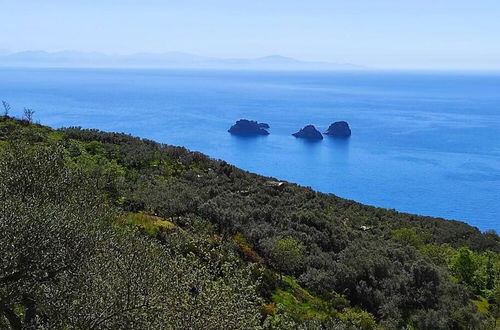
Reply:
x=248, y=143
x=340, y=144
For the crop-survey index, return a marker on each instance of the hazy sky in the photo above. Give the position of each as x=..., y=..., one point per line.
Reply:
x=377, y=33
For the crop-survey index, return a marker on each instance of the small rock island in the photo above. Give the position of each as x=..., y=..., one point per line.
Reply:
x=309, y=132
x=339, y=129
x=248, y=128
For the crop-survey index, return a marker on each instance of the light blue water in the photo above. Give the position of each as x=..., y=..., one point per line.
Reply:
x=426, y=143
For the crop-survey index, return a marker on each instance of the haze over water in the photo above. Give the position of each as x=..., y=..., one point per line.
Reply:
x=426, y=143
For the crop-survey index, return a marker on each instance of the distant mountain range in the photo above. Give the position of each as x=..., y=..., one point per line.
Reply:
x=164, y=60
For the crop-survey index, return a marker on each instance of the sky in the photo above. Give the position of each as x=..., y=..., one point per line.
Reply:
x=423, y=34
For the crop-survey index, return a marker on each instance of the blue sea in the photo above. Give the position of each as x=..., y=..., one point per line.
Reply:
x=422, y=142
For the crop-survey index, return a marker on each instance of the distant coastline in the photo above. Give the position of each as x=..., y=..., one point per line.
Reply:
x=169, y=60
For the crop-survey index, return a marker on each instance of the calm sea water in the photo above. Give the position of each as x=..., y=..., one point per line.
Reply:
x=426, y=143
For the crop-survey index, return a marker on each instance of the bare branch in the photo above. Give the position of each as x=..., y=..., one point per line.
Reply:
x=28, y=114
x=6, y=108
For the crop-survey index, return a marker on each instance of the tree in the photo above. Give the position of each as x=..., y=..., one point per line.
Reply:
x=6, y=108
x=464, y=265
x=287, y=254
x=28, y=114
x=44, y=237
x=64, y=266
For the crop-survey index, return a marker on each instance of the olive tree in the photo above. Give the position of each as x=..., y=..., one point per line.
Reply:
x=63, y=265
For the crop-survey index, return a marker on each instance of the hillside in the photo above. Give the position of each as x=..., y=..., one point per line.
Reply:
x=104, y=230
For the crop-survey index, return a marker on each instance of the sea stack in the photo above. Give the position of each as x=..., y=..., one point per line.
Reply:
x=309, y=132
x=249, y=128
x=339, y=129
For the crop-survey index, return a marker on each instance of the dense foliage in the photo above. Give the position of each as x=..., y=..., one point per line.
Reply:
x=104, y=230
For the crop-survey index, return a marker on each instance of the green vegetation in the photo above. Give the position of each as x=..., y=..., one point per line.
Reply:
x=151, y=225
x=302, y=306
x=104, y=230
x=287, y=254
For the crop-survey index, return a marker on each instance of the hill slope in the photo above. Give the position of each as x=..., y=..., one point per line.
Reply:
x=260, y=253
